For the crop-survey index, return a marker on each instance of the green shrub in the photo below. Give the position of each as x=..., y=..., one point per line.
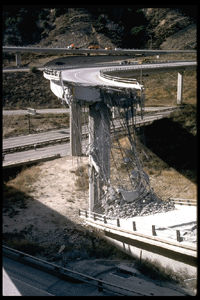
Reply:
x=33, y=69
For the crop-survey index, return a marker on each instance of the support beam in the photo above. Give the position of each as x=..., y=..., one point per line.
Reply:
x=180, y=88
x=75, y=130
x=99, y=156
x=18, y=59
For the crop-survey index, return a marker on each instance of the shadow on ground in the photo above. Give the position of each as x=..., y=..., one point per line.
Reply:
x=173, y=144
x=43, y=231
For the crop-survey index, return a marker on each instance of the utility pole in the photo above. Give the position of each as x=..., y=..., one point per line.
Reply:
x=30, y=112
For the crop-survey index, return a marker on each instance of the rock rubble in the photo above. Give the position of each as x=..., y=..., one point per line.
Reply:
x=114, y=205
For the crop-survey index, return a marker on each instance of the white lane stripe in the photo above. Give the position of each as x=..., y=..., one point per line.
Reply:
x=31, y=286
x=80, y=79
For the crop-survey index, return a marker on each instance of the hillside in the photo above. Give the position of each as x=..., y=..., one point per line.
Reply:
x=126, y=27
x=170, y=28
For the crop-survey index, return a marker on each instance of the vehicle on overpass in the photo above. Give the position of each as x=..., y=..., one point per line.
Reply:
x=125, y=62
x=72, y=46
x=94, y=47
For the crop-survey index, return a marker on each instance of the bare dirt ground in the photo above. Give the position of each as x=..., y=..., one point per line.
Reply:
x=56, y=195
x=47, y=225
x=53, y=201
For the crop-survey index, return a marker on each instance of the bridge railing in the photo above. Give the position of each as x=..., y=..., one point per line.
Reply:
x=118, y=79
x=52, y=72
x=163, y=232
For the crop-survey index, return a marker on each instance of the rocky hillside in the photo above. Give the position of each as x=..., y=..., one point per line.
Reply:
x=126, y=27
x=170, y=28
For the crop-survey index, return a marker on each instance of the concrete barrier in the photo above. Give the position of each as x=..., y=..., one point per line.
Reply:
x=30, y=161
x=178, y=258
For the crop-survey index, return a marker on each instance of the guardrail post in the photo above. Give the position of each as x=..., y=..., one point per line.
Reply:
x=153, y=230
x=104, y=219
x=86, y=213
x=118, y=223
x=100, y=289
x=94, y=217
x=134, y=226
x=178, y=236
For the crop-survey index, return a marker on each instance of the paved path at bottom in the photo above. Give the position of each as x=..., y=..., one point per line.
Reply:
x=23, y=280
x=20, y=279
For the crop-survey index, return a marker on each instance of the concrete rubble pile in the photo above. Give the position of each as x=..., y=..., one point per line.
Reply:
x=116, y=204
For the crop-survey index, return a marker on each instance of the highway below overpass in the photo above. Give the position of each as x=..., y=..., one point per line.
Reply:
x=45, y=141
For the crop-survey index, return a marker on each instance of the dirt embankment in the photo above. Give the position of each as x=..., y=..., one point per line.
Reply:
x=27, y=89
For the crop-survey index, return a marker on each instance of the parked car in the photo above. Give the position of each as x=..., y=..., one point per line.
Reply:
x=107, y=48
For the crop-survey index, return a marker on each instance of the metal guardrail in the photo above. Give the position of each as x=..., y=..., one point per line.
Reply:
x=65, y=272
x=118, y=79
x=145, y=65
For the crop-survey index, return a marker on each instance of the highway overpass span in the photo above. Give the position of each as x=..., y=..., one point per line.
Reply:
x=143, y=52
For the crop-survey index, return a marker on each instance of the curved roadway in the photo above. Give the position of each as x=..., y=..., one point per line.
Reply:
x=91, y=76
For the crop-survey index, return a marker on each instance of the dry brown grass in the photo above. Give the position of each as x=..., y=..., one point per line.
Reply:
x=161, y=89
x=19, y=124
x=82, y=182
x=16, y=191
x=24, y=180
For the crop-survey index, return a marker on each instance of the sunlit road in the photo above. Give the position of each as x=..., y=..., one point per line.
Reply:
x=38, y=111
x=63, y=149
x=91, y=75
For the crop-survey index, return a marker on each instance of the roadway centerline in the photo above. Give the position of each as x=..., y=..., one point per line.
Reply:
x=80, y=78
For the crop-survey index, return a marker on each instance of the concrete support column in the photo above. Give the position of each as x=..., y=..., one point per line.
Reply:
x=99, y=157
x=180, y=88
x=18, y=59
x=75, y=130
